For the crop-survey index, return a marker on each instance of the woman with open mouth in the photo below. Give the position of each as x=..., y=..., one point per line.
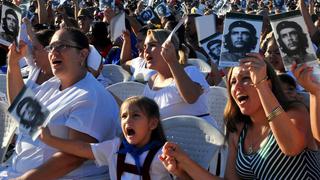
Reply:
x=269, y=136
x=177, y=89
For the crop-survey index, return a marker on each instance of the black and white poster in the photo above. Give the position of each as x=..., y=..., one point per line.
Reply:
x=162, y=10
x=10, y=23
x=28, y=112
x=293, y=39
x=212, y=46
x=146, y=15
x=24, y=6
x=241, y=34
x=106, y=4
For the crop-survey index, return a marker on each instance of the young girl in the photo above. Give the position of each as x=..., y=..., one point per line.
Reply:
x=134, y=155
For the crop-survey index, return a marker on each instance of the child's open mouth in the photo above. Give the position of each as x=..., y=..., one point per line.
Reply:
x=130, y=132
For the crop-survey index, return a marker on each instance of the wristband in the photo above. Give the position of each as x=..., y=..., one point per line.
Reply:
x=274, y=113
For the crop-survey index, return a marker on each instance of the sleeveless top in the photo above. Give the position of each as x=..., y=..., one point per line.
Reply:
x=270, y=163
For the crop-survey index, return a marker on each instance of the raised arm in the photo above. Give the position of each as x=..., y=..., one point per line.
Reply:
x=289, y=128
x=14, y=76
x=188, y=89
x=76, y=9
x=135, y=25
x=125, y=55
x=42, y=12
x=305, y=78
x=307, y=18
x=60, y=163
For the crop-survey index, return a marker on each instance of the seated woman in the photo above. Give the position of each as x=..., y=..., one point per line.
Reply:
x=311, y=84
x=40, y=66
x=177, y=89
x=77, y=105
x=269, y=137
x=137, y=66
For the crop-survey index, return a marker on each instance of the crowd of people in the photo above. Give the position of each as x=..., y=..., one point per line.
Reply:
x=272, y=115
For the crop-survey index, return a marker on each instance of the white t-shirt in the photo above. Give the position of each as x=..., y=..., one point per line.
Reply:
x=171, y=103
x=85, y=106
x=105, y=153
x=139, y=70
x=32, y=77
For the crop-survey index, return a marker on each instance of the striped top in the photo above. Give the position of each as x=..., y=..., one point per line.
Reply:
x=270, y=163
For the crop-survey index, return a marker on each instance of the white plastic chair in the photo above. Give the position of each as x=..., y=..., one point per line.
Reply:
x=115, y=73
x=200, y=140
x=201, y=64
x=3, y=83
x=217, y=100
x=7, y=129
x=123, y=90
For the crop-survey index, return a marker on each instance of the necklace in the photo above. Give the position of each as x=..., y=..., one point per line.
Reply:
x=253, y=143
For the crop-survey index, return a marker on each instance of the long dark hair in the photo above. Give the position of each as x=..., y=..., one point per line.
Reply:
x=232, y=113
x=151, y=110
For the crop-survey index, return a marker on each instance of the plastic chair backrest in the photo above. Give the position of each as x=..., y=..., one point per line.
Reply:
x=7, y=129
x=200, y=140
x=123, y=90
x=217, y=100
x=201, y=64
x=3, y=83
x=115, y=73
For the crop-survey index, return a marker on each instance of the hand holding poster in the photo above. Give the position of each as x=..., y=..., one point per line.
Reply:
x=294, y=41
x=10, y=23
x=117, y=26
x=28, y=112
x=241, y=34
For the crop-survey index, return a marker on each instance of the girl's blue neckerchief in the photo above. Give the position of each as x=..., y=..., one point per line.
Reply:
x=3, y=69
x=136, y=152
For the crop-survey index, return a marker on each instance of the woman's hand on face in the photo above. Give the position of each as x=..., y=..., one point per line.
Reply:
x=15, y=55
x=168, y=52
x=255, y=64
x=305, y=78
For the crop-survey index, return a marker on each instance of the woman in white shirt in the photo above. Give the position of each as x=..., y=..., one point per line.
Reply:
x=177, y=89
x=80, y=109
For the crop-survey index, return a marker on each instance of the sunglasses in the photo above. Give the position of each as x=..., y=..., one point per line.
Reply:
x=59, y=47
